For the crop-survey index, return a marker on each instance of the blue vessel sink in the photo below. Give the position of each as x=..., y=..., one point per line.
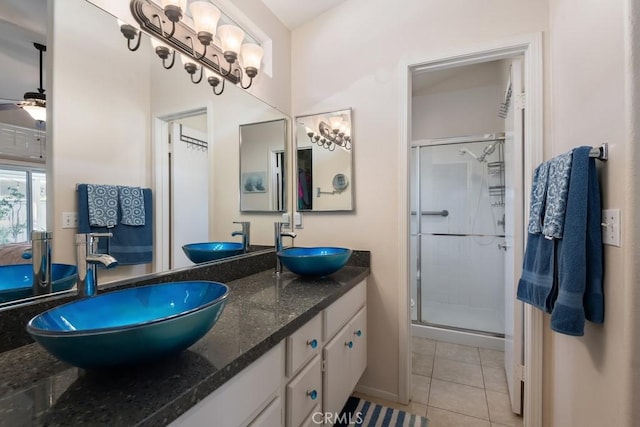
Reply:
x=130, y=326
x=210, y=251
x=316, y=261
x=16, y=280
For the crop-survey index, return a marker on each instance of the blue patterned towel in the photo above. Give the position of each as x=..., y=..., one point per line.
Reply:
x=131, y=205
x=557, y=189
x=103, y=205
x=538, y=197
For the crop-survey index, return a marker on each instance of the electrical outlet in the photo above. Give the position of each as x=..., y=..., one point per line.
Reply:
x=297, y=220
x=69, y=219
x=286, y=219
x=611, y=227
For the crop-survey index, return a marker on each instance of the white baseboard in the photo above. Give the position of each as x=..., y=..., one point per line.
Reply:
x=457, y=337
x=375, y=392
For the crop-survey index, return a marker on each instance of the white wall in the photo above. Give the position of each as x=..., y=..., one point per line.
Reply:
x=458, y=102
x=350, y=57
x=588, y=380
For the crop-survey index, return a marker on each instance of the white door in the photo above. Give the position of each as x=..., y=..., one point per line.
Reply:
x=189, y=184
x=514, y=239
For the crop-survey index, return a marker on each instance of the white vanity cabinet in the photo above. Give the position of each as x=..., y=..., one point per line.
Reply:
x=312, y=371
x=252, y=397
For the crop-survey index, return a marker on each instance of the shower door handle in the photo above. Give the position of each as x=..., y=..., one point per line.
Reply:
x=503, y=246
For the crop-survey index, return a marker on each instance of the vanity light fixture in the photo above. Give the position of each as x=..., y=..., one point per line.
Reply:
x=200, y=49
x=336, y=133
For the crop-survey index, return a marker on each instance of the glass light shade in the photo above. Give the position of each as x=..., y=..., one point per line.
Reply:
x=336, y=122
x=251, y=55
x=205, y=16
x=38, y=113
x=231, y=38
x=187, y=59
x=182, y=4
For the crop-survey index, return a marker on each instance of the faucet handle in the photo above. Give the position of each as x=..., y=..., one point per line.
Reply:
x=100, y=234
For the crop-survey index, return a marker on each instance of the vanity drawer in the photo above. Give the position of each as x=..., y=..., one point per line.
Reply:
x=339, y=313
x=271, y=416
x=304, y=393
x=314, y=419
x=303, y=344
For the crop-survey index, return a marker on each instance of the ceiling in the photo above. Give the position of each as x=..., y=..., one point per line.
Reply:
x=294, y=13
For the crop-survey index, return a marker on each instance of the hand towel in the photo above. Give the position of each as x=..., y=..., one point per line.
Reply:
x=131, y=205
x=536, y=284
x=556, y=200
x=129, y=245
x=103, y=205
x=580, y=256
x=538, y=196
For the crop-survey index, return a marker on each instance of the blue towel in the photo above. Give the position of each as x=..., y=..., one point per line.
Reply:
x=580, y=256
x=129, y=245
x=103, y=205
x=556, y=201
x=538, y=197
x=131, y=205
x=536, y=284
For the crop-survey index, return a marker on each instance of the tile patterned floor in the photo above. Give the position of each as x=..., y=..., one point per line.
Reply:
x=458, y=386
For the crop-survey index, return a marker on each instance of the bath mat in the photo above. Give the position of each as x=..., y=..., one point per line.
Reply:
x=360, y=412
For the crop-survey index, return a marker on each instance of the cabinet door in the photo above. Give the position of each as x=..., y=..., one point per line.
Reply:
x=336, y=378
x=271, y=416
x=359, y=354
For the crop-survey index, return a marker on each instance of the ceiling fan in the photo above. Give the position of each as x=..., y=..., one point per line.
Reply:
x=34, y=103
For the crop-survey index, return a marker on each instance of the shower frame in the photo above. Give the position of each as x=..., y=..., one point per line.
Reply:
x=435, y=142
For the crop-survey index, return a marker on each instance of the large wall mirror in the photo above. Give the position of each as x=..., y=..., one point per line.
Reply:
x=121, y=118
x=324, y=162
x=262, y=166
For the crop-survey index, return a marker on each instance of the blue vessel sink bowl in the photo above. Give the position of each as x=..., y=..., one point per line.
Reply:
x=130, y=326
x=316, y=261
x=16, y=280
x=211, y=251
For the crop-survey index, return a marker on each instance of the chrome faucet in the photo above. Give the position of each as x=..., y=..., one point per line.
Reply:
x=41, y=261
x=87, y=259
x=278, y=235
x=245, y=233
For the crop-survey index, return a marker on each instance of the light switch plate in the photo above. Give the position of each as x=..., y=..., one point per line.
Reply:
x=69, y=219
x=611, y=227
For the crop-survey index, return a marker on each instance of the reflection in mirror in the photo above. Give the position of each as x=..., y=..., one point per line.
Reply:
x=324, y=162
x=105, y=127
x=262, y=166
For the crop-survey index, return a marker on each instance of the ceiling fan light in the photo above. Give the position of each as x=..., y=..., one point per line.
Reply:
x=37, y=112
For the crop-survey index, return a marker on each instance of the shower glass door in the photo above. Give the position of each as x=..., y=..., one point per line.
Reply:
x=457, y=229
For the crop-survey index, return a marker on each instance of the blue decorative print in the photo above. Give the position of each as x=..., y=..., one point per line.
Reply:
x=103, y=205
x=538, y=195
x=132, y=205
x=557, y=190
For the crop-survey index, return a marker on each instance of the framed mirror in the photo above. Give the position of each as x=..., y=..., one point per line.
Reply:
x=324, y=162
x=262, y=166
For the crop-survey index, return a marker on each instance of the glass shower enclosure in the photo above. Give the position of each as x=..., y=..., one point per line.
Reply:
x=457, y=233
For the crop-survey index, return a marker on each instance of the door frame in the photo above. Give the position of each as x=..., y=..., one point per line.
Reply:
x=159, y=155
x=529, y=46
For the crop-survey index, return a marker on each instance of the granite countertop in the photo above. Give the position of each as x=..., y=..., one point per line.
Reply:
x=37, y=389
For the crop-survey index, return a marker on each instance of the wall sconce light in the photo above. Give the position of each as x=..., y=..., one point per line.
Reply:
x=336, y=133
x=181, y=38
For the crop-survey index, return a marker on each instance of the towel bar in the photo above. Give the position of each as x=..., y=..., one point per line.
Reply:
x=600, y=153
